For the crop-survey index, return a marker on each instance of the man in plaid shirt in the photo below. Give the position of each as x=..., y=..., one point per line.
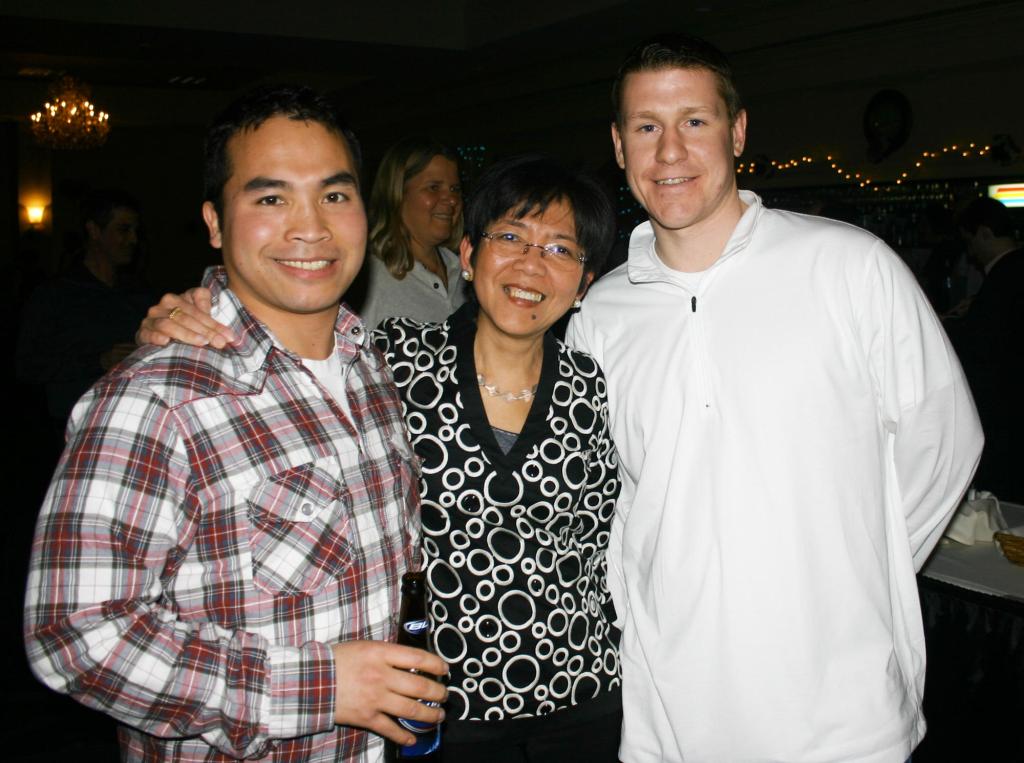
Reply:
x=217, y=559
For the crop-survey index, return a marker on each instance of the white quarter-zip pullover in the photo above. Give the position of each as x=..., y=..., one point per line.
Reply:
x=794, y=433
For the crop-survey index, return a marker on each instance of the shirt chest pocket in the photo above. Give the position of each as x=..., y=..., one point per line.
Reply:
x=300, y=530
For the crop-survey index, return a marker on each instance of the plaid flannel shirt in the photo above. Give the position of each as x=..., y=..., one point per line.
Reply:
x=217, y=522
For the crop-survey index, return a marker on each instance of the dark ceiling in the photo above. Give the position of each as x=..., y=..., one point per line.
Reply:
x=519, y=73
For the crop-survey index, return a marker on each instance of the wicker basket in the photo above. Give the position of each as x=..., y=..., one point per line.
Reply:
x=1012, y=547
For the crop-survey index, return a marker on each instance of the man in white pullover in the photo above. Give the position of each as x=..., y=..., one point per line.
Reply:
x=794, y=433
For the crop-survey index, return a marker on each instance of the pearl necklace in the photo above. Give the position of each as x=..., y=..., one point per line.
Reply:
x=508, y=397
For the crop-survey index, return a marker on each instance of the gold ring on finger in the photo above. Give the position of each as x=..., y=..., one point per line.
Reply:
x=174, y=313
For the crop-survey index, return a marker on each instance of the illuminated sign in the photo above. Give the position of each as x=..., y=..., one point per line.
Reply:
x=1010, y=194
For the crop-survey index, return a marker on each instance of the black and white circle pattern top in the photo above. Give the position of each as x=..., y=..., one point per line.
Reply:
x=514, y=543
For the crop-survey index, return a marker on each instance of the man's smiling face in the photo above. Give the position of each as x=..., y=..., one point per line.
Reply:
x=292, y=228
x=677, y=146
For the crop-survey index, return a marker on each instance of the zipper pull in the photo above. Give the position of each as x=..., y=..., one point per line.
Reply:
x=693, y=304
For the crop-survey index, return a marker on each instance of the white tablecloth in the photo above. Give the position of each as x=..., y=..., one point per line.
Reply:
x=981, y=567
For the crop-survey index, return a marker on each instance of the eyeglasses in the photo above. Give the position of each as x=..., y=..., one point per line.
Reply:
x=509, y=244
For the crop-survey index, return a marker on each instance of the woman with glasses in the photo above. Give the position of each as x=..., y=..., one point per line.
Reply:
x=518, y=475
x=415, y=224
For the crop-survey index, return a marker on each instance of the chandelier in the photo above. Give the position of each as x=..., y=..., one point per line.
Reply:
x=68, y=119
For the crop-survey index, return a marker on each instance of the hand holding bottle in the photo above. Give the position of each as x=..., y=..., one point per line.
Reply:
x=375, y=686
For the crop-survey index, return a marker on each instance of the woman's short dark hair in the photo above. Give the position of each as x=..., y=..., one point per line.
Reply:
x=528, y=185
x=251, y=110
x=678, y=51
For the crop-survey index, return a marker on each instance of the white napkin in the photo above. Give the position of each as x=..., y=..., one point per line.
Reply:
x=977, y=518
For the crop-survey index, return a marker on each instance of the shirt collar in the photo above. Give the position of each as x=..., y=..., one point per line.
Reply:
x=255, y=342
x=645, y=266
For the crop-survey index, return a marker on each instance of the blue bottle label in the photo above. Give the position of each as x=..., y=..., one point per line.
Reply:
x=428, y=737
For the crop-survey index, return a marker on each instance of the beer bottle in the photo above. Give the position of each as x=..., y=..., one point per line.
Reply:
x=414, y=630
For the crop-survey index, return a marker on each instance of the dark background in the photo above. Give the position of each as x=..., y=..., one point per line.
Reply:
x=490, y=78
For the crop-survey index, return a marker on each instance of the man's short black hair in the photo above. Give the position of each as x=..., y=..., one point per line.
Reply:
x=678, y=51
x=98, y=206
x=253, y=109
x=988, y=212
x=528, y=185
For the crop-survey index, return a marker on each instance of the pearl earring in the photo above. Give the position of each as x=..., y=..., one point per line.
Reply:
x=467, y=275
x=576, y=304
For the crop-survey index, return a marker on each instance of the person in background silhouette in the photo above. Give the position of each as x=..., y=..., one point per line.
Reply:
x=80, y=324
x=989, y=338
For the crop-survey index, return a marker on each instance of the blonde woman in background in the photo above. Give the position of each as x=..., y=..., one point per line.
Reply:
x=415, y=224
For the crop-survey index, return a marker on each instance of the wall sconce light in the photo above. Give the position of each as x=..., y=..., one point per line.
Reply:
x=34, y=213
